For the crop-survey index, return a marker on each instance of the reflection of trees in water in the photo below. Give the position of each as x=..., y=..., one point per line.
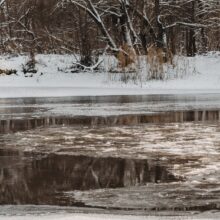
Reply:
x=39, y=181
x=13, y=125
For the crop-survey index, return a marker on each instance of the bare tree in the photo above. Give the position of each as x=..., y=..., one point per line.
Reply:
x=125, y=28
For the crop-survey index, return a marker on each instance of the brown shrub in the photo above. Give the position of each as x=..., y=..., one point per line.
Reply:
x=7, y=72
x=127, y=56
x=156, y=59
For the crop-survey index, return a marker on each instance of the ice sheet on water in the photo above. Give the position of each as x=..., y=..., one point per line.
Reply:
x=105, y=106
x=189, y=150
x=196, y=143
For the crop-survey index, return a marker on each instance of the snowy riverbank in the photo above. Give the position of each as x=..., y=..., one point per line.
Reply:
x=95, y=217
x=205, y=216
x=50, y=81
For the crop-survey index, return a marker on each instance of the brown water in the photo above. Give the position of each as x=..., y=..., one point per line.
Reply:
x=35, y=179
x=147, y=159
x=15, y=125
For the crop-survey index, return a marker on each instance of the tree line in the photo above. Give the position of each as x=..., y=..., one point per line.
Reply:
x=121, y=27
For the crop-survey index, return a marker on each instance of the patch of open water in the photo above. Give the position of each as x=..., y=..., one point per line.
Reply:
x=150, y=166
x=151, y=160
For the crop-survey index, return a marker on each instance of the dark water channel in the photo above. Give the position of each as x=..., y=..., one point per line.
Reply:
x=123, y=153
x=40, y=180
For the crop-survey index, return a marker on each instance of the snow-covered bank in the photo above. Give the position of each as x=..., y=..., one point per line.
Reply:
x=75, y=217
x=107, y=217
x=50, y=81
x=69, y=213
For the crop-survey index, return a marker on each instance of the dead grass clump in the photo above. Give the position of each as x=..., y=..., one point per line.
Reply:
x=157, y=58
x=7, y=72
x=30, y=66
x=126, y=57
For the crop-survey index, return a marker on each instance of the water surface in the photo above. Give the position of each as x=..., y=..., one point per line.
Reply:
x=129, y=154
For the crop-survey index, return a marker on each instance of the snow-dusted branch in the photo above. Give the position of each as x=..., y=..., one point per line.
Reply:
x=190, y=25
x=2, y=2
x=89, y=68
x=90, y=8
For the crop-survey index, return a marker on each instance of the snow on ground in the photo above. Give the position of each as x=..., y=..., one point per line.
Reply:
x=74, y=217
x=55, y=82
x=101, y=217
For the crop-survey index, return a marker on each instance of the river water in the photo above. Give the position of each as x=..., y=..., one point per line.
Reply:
x=119, y=154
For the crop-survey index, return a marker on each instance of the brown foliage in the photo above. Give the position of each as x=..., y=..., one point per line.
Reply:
x=156, y=58
x=7, y=72
x=126, y=56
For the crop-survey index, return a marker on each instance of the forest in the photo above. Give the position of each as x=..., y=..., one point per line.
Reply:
x=126, y=29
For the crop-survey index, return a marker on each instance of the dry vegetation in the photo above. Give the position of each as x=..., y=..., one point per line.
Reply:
x=157, y=29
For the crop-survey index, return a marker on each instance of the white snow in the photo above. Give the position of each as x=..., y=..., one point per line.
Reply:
x=73, y=217
x=102, y=216
x=58, y=83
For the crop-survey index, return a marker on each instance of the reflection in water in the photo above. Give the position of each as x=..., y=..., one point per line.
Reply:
x=36, y=179
x=43, y=166
x=13, y=125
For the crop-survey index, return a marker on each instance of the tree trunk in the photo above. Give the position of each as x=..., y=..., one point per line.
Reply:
x=191, y=44
x=161, y=32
